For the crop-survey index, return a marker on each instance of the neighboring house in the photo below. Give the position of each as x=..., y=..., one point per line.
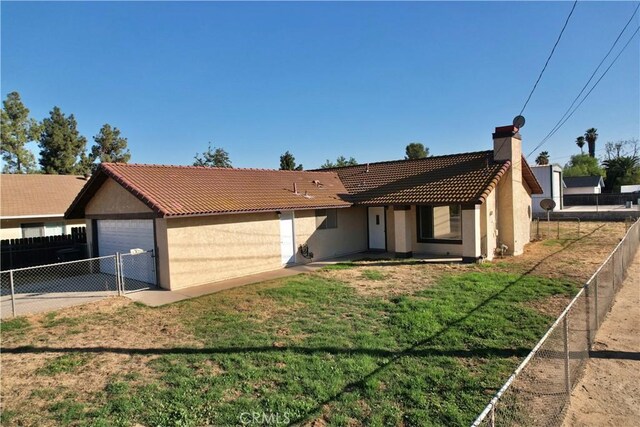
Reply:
x=583, y=184
x=629, y=189
x=550, y=179
x=211, y=224
x=33, y=205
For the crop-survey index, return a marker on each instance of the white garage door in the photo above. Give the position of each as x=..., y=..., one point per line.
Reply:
x=124, y=235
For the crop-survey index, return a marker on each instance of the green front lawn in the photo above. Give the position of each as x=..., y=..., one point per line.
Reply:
x=309, y=349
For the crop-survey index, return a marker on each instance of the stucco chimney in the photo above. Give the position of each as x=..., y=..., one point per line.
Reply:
x=507, y=143
x=513, y=202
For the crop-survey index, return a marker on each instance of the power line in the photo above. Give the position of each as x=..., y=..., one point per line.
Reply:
x=557, y=125
x=588, y=93
x=549, y=58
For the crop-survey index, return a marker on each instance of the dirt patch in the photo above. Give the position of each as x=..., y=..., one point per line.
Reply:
x=609, y=393
x=393, y=277
x=570, y=257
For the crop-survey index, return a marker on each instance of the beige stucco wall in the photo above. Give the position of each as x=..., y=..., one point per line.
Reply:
x=162, y=252
x=207, y=249
x=488, y=228
x=417, y=247
x=471, y=232
x=391, y=229
x=11, y=229
x=513, y=198
x=349, y=237
x=112, y=198
x=402, y=231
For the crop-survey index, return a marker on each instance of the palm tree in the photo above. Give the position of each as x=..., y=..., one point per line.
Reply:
x=591, y=135
x=580, y=143
x=543, y=158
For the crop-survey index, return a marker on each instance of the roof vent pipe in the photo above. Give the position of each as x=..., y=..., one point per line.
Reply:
x=367, y=168
x=295, y=188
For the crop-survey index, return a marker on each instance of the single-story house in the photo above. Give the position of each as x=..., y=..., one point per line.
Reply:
x=33, y=205
x=211, y=224
x=550, y=179
x=583, y=184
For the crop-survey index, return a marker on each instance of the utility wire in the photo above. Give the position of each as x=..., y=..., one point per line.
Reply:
x=588, y=93
x=549, y=58
x=557, y=125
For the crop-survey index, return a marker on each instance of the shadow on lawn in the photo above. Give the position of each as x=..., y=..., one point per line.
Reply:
x=480, y=352
x=413, y=351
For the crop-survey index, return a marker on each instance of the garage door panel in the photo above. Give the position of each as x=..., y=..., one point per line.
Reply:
x=122, y=236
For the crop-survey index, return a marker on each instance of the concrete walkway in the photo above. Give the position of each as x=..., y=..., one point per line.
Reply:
x=157, y=297
x=609, y=393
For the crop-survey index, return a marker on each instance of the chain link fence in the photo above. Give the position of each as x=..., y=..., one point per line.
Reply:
x=569, y=228
x=53, y=286
x=538, y=392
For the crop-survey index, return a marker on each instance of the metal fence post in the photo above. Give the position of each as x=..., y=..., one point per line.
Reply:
x=154, y=266
x=587, y=298
x=116, y=261
x=492, y=417
x=595, y=300
x=614, y=268
x=13, y=294
x=567, y=375
x=558, y=233
x=121, y=263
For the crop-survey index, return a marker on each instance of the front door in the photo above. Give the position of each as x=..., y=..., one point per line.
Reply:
x=287, y=242
x=377, y=229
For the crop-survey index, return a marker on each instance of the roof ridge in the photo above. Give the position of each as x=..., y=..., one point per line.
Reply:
x=154, y=165
x=411, y=160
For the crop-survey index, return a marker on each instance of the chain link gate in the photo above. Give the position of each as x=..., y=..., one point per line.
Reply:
x=54, y=286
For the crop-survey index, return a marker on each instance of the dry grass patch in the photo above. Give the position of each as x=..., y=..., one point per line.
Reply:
x=82, y=348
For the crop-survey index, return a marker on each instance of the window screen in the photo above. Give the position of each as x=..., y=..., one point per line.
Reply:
x=326, y=218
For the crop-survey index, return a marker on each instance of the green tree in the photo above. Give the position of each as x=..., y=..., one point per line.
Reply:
x=288, y=162
x=17, y=130
x=61, y=145
x=622, y=164
x=213, y=158
x=591, y=135
x=543, y=158
x=416, y=150
x=109, y=146
x=583, y=165
x=580, y=143
x=340, y=162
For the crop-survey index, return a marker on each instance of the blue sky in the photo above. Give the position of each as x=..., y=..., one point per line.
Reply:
x=320, y=79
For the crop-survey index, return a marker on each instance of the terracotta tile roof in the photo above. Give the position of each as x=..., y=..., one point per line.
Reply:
x=37, y=194
x=458, y=178
x=190, y=190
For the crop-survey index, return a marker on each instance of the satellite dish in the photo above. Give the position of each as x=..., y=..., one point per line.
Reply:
x=518, y=122
x=547, y=204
